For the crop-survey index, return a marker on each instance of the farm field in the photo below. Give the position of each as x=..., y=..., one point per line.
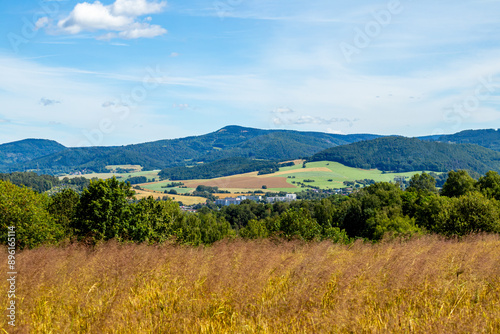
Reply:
x=157, y=186
x=186, y=200
x=323, y=171
x=135, y=168
x=422, y=285
x=320, y=172
x=324, y=174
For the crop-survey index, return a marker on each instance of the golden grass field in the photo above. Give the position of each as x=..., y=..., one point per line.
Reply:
x=424, y=285
x=187, y=200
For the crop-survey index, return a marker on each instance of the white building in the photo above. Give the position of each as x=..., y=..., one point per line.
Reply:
x=231, y=200
x=287, y=198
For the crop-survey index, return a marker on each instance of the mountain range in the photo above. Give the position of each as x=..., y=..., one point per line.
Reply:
x=230, y=141
x=475, y=150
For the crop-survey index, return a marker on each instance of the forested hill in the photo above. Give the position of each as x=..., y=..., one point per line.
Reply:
x=26, y=150
x=489, y=138
x=230, y=141
x=402, y=154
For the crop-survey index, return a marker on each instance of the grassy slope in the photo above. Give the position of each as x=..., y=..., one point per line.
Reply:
x=338, y=173
x=424, y=285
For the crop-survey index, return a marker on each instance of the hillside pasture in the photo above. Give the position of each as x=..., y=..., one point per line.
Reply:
x=323, y=171
x=157, y=186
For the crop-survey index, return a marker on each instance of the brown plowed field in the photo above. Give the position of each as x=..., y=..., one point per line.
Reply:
x=245, y=182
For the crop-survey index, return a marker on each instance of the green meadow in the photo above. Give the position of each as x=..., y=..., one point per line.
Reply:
x=335, y=177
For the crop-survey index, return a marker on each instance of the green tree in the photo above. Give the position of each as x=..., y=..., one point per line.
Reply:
x=392, y=223
x=197, y=229
x=356, y=212
x=154, y=221
x=458, y=183
x=255, y=229
x=299, y=223
x=489, y=185
x=472, y=213
x=63, y=208
x=26, y=210
x=422, y=182
x=103, y=212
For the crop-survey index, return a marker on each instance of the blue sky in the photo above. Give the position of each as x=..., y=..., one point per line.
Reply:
x=117, y=72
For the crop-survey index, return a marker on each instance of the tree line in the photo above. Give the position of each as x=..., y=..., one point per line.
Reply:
x=41, y=183
x=106, y=209
x=220, y=168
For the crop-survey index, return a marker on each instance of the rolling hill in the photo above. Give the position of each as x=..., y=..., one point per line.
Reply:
x=400, y=154
x=228, y=142
x=357, y=150
x=25, y=150
x=489, y=138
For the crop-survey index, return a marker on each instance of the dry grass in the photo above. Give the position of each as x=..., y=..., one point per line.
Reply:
x=426, y=285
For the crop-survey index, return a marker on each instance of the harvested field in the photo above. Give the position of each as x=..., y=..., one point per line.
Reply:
x=188, y=200
x=242, y=182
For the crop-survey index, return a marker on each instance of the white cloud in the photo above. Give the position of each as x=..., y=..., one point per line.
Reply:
x=42, y=22
x=119, y=19
x=136, y=7
x=142, y=30
x=282, y=110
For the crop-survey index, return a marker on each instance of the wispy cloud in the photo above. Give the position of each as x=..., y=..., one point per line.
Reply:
x=48, y=102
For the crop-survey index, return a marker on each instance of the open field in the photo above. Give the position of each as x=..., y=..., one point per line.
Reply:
x=320, y=172
x=136, y=168
x=245, y=181
x=326, y=175
x=187, y=200
x=323, y=171
x=425, y=285
x=157, y=186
